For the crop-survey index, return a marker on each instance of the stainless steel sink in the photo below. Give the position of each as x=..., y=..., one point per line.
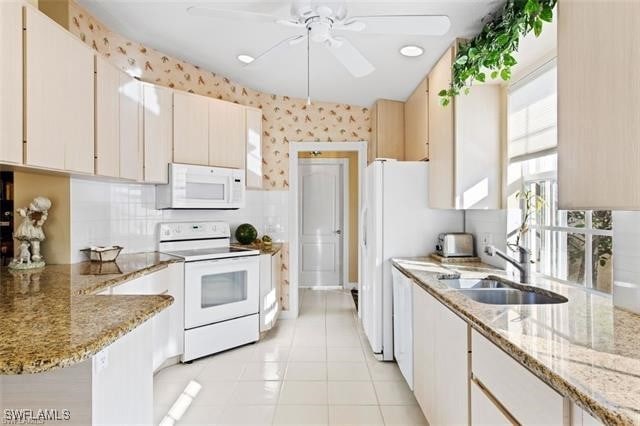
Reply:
x=462, y=283
x=511, y=296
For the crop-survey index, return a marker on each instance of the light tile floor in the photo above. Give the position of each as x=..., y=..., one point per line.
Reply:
x=315, y=370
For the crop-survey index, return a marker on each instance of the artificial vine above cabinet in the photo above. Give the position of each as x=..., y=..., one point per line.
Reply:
x=465, y=153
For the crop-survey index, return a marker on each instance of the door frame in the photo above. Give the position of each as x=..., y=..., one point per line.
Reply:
x=344, y=162
x=294, y=148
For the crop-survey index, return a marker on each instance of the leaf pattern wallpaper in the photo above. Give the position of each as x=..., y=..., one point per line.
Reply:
x=285, y=119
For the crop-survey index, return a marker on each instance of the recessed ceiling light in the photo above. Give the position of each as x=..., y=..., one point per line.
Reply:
x=246, y=59
x=411, y=51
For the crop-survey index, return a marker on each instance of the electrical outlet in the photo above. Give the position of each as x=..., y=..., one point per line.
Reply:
x=486, y=239
x=101, y=360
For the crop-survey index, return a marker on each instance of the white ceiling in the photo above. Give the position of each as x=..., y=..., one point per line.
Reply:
x=214, y=44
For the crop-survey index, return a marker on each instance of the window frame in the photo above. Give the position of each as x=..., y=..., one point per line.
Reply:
x=525, y=181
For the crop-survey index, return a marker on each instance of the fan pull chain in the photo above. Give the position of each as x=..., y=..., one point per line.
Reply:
x=308, y=66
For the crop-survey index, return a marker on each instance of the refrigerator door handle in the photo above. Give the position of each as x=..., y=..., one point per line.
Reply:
x=363, y=227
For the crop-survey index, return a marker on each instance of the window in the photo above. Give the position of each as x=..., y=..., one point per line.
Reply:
x=574, y=246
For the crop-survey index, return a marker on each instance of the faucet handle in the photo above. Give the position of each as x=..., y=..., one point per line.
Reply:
x=490, y=250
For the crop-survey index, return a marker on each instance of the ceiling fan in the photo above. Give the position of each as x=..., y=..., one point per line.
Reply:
x=322, y=22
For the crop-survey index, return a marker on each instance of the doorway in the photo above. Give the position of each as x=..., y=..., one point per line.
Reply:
x=323, y=242
x=299, y=150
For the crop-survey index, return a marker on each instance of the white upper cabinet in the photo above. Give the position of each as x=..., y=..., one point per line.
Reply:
x=107, y=119
x=190, y=129
x=598, y=105
x=465, y=147
x=227, y=135
x=11, y=82
x=158, y=133
x=416, y=124
x=131, y=116
x=59, y=78
x=253, y=121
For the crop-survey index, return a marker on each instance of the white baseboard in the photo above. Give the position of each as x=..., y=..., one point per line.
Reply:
x=351, y=286
x=286, y=315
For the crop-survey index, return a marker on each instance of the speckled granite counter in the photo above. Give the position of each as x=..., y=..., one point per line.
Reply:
x=585, y=349
x=52, y=318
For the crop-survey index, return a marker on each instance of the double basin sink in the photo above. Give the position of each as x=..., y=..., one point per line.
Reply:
x=496, y=292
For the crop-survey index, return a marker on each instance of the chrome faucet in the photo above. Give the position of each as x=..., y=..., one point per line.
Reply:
x=522, y=264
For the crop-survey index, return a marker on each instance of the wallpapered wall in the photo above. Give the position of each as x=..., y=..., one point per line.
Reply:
x=284, y=119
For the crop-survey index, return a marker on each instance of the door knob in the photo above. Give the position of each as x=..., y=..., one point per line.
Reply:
x=337, y=232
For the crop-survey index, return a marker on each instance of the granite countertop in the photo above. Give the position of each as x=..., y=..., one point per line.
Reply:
x=52, y=318
x=585, y=349
x=275, y=247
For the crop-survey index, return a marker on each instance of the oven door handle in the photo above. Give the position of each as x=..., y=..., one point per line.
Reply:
x=224, y=260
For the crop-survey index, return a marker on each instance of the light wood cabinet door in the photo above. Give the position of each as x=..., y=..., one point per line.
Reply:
x=424, y=368
x=158, y=133
x=451, y=367
x=598, y=120
x=387, y=130
x=416, y=124
x=254, y=147
x=11, y=82
x=190, y=129
x=59, y=79
x=131, y=118
x=227, y=135
x=107, y=119
x=484, y=412
x=441, y=136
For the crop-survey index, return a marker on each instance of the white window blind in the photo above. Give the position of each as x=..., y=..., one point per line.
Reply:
x=533, y=114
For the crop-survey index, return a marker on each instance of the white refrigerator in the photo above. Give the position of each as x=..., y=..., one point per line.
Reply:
x=396, y=222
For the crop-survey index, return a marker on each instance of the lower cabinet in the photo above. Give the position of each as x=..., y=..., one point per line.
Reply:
x=403, y=324
x=270, y=279
x=517, y=391
x=167, y=327
x=441, y=361
x=485, y=411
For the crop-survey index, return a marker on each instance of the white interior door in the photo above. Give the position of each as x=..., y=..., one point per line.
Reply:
x=321, y=186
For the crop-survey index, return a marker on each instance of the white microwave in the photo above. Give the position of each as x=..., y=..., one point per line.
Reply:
x=202, y=187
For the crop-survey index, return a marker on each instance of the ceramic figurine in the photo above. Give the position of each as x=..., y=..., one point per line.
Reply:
x=30, y=234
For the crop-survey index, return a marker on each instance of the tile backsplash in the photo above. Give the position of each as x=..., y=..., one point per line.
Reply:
x=106, y=213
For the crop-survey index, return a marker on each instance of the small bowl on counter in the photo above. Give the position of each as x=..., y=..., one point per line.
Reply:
x=103, y=254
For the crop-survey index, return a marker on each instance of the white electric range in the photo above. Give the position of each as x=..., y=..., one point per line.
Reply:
x=221, y=287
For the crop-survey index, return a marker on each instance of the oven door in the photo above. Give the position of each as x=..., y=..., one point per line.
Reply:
x=220, y=290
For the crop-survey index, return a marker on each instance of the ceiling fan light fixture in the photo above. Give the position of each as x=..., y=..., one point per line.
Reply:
x=411, y=51
x=246, y=59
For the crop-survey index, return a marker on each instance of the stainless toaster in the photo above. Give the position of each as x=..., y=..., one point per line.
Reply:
x=455, y=244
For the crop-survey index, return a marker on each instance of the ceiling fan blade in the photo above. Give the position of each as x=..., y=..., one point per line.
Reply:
x=290, y=23
x=419, y=25
x=225, y=14
x=351, y=25
x=347, y=54
x=289, y=41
